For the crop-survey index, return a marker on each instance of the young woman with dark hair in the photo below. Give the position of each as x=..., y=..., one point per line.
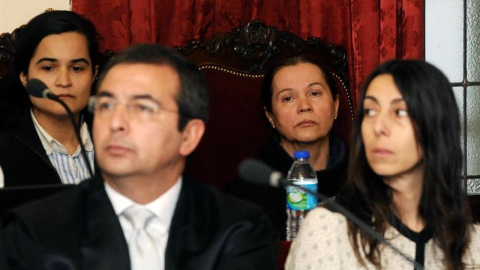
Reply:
x=60, y=49
x=404, y=181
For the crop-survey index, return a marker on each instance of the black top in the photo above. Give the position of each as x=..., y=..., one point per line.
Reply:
x=273, y=200
x=419, y=238
x=23, y=159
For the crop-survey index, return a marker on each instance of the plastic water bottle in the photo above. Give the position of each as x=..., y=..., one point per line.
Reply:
x=299, y=202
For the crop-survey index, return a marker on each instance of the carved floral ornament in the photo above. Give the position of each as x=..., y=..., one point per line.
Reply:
x=257, y=43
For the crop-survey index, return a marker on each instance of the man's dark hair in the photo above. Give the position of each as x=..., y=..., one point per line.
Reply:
x=192, y=100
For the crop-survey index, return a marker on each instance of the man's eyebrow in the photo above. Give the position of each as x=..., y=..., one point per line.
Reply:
x=143, y=96
x=104, y=94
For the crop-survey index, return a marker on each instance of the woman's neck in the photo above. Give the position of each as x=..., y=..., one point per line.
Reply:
x=319, y=151
x=406, y=194
x=406, y=206
x=60, y=128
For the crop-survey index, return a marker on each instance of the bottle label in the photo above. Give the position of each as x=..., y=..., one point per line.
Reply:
x=299, y=200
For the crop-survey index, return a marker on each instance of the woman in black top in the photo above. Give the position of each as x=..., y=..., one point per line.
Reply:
x=301, y=103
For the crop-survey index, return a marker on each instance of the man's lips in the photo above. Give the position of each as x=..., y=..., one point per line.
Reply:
x=117, y=149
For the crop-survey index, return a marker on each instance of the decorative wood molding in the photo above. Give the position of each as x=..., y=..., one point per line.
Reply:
x=258, y=45
x=7, y=50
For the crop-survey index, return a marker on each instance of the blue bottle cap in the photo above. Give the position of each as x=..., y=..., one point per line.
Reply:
x=301, y=154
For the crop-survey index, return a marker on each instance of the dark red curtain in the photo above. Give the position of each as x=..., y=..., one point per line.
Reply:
x=372, y=30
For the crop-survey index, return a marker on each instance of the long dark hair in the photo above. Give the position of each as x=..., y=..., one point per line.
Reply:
x=443, y=205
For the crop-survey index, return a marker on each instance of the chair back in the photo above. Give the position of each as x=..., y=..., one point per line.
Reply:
x=234, y=64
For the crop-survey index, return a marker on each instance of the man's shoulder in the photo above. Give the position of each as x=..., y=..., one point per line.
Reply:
x=209, y=198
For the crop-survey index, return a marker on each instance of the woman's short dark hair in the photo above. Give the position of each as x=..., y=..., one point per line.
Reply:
x=434, y=113
x=267, y=91
x=49, y=23
x=16, y=99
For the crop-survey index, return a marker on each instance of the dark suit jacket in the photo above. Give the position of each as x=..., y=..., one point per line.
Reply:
x=22, y=156
x=23, y=159
x=78, y=227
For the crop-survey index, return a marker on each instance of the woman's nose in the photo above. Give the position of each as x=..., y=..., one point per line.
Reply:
x=382, y=125
x=304, y=105
x=63, y=78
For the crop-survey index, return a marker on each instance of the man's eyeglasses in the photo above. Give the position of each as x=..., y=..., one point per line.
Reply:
x=138, y=108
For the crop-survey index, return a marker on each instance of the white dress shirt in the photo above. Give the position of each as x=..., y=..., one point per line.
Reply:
x=2, y=182
x=71, y=168
x=163, y=207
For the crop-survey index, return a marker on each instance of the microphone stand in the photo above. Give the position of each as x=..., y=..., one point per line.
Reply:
x=356, y=221
x=76, y=129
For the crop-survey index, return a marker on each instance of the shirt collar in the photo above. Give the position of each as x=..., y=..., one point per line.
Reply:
x=161, y=207
x=50, y=144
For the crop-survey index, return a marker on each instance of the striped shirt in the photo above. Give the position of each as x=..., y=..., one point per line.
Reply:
x=70, y=168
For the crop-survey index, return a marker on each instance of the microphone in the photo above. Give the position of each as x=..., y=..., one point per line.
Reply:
x=257, y=172
x=37, y=88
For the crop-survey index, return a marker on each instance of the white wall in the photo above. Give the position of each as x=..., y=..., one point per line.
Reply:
x=444, y=36
x=14, y=13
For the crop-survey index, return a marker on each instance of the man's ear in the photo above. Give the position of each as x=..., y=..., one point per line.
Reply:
x=192, y=134
x=23, y=78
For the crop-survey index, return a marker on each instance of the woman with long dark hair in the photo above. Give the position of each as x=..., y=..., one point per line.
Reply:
x=404, y=181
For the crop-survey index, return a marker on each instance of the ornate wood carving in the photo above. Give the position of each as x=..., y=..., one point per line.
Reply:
x=7, y=50
x=258, y=45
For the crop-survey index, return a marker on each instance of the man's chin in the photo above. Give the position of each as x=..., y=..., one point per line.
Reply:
x=117, y=170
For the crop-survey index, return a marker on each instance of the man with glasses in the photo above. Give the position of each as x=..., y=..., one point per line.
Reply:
x=140, y=212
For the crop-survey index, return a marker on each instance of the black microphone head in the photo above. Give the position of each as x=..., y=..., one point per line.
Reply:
x=257, y=172
x=35, y=87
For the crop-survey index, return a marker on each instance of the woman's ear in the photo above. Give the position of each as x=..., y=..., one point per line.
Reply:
x=269, y=117
x=23, y=78
x=95, y=73
x=337, y=104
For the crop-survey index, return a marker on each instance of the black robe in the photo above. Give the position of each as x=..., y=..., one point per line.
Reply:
x=78, y=229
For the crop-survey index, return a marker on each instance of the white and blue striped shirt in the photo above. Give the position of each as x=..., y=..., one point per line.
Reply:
x=71, y=168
